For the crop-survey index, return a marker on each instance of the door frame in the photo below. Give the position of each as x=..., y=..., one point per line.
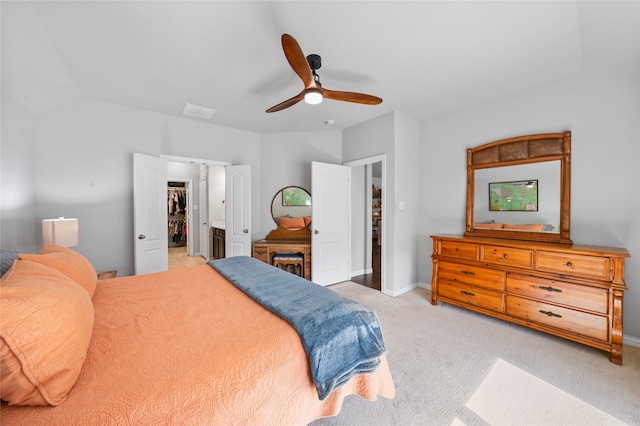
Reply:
x=384, y=245
x=199, y=161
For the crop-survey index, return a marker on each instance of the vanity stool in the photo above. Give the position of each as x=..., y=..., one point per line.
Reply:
x=290, y=262
x=268, y=250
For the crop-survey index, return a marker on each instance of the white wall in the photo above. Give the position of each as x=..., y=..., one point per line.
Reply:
x=84, y=168
x=17, y=174
x=396, y=135
x=286, y=161
x=602, y=111
x=406, y=202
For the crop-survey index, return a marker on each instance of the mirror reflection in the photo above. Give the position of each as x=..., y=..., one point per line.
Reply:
x=547, y=216
x=291, y=202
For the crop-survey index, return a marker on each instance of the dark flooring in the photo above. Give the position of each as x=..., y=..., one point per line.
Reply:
x=373, y=279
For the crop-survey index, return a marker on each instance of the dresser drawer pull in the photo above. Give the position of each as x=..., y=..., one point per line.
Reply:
x=569, y=264
x=468, y=272
x=550, y=314
x=505, y=255
x=466, y=293
x=457, y=250
x=541, y=287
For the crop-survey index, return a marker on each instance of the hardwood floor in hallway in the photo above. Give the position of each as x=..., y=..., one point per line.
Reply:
x=373, y=279
x=179, y=258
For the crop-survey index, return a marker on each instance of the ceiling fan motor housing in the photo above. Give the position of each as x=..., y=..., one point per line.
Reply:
x=315, y=61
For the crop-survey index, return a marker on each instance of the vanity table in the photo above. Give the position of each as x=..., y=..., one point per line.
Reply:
x=289, y=245
x=522, y=273
x=267, y=250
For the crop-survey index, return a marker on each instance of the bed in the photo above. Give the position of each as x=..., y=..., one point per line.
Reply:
x=185, y=346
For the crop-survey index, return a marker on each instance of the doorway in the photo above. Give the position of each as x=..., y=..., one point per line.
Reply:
x=204, y=182
x=181, y=219
x=150, y=177
x=367, y=216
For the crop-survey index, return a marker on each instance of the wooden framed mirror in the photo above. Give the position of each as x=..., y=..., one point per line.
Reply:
x=291, y=211
x=290, y=201
x=519, y=188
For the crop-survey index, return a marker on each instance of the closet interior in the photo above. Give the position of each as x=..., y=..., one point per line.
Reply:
x=177, y=214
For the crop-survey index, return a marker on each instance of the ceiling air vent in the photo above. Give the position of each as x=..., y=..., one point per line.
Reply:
x=198, y=111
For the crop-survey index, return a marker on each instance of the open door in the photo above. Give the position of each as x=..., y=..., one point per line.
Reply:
x=330, y=238
x=238, y=211
x=150, y=214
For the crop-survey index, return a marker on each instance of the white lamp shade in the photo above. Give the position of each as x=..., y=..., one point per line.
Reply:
x=62, y=232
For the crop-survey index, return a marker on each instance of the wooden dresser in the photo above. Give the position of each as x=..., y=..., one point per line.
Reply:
x=266, y=250
x=572, y=291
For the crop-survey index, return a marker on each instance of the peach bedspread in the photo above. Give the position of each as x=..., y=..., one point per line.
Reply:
x=188, y=347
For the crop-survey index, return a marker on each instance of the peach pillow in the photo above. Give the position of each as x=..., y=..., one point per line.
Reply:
x=307, y=220
x=292, y=222
x=488, y=225
x=45, y=329
x=69, y=262
x=14, y=385
x=532, y=227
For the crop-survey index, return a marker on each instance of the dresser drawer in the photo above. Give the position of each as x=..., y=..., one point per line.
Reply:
x=261, y=253
x=575, y=295
x=458, y=250
x=583, y=323
x=574, y=264
x=507, y=256
x=474, y=275
x=470, y=295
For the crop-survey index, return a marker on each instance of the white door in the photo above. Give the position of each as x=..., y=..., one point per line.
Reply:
x=203, y=204
x=330, y=250
x=238, y=211
x=150, y=214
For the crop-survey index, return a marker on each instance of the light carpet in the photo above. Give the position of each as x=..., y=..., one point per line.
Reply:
x=456, y=367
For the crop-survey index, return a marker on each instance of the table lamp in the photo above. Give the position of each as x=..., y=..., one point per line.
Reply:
x=61, y=231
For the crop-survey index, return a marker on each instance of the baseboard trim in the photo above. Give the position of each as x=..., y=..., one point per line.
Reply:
x=631, y=341
x=401, y=291
x=425, y=286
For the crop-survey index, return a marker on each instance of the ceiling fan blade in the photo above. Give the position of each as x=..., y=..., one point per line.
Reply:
x=359, y=98
x=297, y=60
x=286, y=104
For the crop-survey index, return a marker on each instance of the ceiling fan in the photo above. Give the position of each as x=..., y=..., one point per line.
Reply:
x=313, y=92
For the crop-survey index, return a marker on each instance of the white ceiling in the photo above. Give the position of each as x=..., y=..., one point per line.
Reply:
x=424, y=58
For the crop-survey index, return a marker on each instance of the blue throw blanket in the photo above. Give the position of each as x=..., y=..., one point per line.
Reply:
x=342, y=337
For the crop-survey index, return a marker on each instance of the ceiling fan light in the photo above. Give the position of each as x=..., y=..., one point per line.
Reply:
x=313, y=96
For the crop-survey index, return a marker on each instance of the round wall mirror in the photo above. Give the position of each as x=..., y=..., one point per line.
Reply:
x=291, y=201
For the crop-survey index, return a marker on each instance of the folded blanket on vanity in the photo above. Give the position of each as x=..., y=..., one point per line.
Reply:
x=342, y=337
